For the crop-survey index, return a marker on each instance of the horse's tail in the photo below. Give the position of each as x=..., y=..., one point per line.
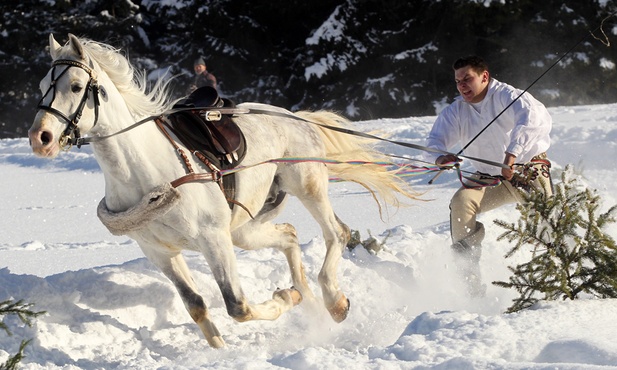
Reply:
x=344, y=147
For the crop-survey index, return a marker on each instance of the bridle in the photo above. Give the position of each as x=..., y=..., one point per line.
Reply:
x=71, y=134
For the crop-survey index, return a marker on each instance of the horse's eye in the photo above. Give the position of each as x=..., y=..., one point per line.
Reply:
x=76, y=88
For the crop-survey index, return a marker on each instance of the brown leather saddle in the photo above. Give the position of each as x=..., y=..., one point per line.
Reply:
x=202, y=129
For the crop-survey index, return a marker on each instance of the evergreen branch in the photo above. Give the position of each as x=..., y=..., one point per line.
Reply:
x=571, y=254
x=25, y=314
x=12, y=362
x=20, y=309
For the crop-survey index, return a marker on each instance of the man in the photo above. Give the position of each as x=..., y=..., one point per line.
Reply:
x=202, y=76
x=518, y=138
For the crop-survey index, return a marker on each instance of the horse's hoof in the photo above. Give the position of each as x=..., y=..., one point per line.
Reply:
x=216, y=342
x=291, y=295
x=340, y=309
x=296, y=296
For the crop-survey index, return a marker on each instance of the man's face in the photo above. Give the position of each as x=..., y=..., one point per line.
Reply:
x=470, y=84
x=199, y=68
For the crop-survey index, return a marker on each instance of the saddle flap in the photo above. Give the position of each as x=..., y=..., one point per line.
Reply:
x=226, y=134
x=222, y=141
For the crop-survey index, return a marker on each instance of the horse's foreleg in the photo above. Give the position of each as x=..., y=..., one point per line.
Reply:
x=222, y=262
x=196, y=307
x=175, y=268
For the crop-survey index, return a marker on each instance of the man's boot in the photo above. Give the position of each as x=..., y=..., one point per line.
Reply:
x=467, y=254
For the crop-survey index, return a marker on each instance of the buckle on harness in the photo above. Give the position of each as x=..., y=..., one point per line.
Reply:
x=217, y=176
x=65, y=143
x=211, y=115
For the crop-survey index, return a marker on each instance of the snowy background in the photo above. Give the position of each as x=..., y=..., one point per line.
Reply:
x=108, y=307
x=367, y=59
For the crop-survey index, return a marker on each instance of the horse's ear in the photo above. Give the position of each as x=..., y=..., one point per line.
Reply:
x=54, y=47
x=76, y=45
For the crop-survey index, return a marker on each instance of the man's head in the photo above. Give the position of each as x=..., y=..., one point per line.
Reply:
x=199, y=65
x=472, y=77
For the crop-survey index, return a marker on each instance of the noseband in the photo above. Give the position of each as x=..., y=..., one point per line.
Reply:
x=71, y=134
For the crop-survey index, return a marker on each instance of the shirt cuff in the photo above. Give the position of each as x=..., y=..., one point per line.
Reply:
x=515, y=149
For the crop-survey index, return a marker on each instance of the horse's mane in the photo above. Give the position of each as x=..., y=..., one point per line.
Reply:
x=131, y=84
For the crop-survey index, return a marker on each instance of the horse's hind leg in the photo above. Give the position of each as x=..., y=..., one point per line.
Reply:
x=174, y=267
x=336, y=235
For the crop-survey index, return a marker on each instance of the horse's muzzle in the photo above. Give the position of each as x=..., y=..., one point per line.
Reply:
x=43, y=143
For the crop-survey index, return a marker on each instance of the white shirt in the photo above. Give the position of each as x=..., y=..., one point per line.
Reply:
x=522, y=130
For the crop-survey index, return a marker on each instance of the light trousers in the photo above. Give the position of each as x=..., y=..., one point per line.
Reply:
x=467, y=203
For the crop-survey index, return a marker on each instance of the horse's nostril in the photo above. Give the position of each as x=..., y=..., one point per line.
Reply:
x=45, y=137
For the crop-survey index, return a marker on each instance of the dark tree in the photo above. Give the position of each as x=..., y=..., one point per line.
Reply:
x=364, y=58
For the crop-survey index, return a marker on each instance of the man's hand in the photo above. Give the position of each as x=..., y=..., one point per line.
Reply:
x=446, y=160
x=508, y=161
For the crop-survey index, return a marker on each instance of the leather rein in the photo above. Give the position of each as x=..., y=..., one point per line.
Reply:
x=71, y=135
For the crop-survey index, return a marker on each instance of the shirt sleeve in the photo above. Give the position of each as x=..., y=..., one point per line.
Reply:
x=444, y=134
x=532, y=125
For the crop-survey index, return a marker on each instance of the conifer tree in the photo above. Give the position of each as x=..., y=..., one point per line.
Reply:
x=25, y=314
x=571, y=254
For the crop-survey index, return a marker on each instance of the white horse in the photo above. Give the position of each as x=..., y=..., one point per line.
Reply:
x=92, y=89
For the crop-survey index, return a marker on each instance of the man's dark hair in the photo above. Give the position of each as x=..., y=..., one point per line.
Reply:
x=475, y=62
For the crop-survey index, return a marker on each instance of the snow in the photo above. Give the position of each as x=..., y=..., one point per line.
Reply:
x=108, y=307
x=331, y=29
x=417, y=53
x=170, y=3
x=606, y=64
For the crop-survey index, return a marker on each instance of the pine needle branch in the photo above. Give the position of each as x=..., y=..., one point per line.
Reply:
x=571, y=254
x=26, y=315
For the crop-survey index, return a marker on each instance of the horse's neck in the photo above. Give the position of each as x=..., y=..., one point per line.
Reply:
x=133, y=163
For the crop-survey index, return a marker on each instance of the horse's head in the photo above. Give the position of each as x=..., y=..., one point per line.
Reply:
x=70, y=101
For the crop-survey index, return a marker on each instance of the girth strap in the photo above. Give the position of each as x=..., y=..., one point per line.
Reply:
x=214, y=175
